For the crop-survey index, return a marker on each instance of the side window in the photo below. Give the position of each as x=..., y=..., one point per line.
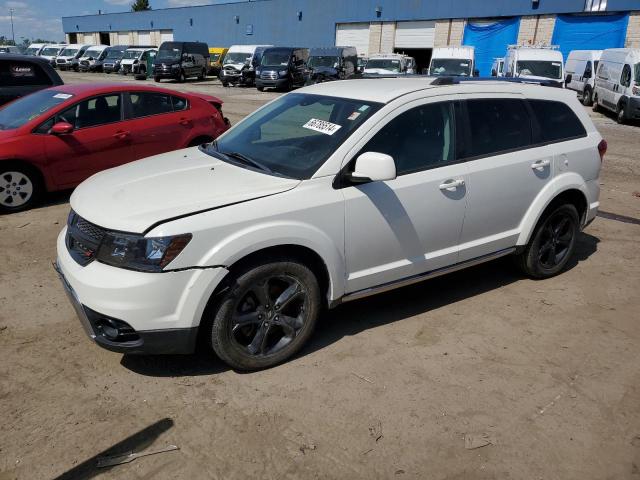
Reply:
x=588, y=70
x=93, y=112
x=625, y=78
x=179, y=104
x=602, y=71
x=557, y=121
x=145, y=104
x=418, y=139
x=497, y=125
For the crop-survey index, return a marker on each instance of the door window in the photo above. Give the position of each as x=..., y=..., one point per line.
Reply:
x=557, y=121
x=418, y=139
x=625, y=78
x=93, y=112
x=588, y=71
x=146, y=104
x=497, y=126
x=179, y=103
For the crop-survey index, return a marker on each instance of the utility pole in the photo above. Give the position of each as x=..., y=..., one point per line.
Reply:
x=13, y=35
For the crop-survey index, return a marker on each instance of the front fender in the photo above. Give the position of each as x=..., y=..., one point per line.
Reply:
x=561, y=183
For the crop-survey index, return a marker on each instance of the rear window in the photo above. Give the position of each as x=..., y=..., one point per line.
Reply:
x=557, y=121
x=18, y=74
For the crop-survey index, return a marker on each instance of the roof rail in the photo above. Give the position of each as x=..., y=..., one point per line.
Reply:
x=459, y=80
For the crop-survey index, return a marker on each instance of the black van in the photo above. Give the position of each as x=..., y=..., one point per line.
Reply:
x=282, y=68
x=181, y=60
x=332, y=63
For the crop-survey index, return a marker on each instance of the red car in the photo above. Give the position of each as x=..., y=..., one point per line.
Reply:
x=55, y=138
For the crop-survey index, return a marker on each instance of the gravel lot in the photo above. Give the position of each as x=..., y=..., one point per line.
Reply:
x=548, y=372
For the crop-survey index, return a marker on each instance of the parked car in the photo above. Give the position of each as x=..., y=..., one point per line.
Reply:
x=55, y=138
x=332, y=63
x=21, y=75
x=51, y=52
x=216, y=55
x=240, y=63
x=135, y=60
x=535, y=63
x=497, y=69
x=453, y=62
x=181, y=60
x=335, y=192
x=10, y=49
x=35, y=49
x=69, y=58
x=618, y=83
x=390, y=64
x=580, y=69
x=93, y=58
x=111, y=63
x=282, y=68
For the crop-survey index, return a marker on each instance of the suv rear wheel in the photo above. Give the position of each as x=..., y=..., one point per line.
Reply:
x=595, y=107
x=552, y=243
x=621, y=114
x=266, y=315
x=587, y=99
x=20, y=188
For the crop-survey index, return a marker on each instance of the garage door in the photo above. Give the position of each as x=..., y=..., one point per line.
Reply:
x=123, y=38
x=491, y=39
x=144, y=37
x=166, y=35
x=353, y=35
x=415, y=34
x=88, y=39
x=590, y=32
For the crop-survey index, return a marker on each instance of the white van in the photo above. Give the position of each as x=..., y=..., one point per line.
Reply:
x=535, y=63
x=69, y=57
x=93, y=58
x=239, y=64
x=580, y=73
x=135, y=59
x=497, y=68
x=618, y=83
x=453, y=62
x=390, y=64
x=51, y=52
x=34, y=49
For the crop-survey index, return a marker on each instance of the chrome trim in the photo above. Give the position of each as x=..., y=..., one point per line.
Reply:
x=385, y=287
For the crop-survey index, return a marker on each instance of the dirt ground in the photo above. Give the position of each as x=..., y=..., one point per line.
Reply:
x=548, y=372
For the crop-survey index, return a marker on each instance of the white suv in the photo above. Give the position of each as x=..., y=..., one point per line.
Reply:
x=329, y=194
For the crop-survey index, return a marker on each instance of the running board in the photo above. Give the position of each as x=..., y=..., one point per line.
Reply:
x=385, y=287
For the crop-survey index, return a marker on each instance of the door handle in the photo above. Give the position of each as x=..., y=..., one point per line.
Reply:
x=121, y=135
x=540, y=164
x=451, y=185
x=186, y=122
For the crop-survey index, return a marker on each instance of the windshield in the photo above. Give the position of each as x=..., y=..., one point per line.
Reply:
x=32, y=50
x=170, y=53
x=92, y=53
x=129, y=54
x=294, y=135
x=385, y=64
x=539, y=68
x=50, y=51
x=237, y=57
x=69, y=52
x=25, y=109
x=324, y=61
x=276, y=59
x=455, y=67
x=115, y=54
x=215, y=57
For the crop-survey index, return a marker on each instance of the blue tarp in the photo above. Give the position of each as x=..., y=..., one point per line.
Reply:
x=590, y=32
x=491, y=41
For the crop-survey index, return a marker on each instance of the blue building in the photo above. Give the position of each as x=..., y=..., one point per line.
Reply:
x=373, y=26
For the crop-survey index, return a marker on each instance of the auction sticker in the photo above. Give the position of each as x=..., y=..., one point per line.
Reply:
x=322, y=126
x=63, y=96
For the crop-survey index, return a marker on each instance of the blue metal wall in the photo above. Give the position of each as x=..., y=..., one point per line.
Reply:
x=276, y=21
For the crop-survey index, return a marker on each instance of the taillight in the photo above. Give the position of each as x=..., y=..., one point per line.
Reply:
x=602, y=149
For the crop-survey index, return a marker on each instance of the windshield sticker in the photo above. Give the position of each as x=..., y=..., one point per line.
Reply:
x=555, y=64
x=363, y=108
x=63, y=96
x=353, y=116
x=20, y=71
x=322, y=126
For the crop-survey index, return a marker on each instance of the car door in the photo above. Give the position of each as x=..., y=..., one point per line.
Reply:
x=100, y=139
x=159, y=122
x=410, y=225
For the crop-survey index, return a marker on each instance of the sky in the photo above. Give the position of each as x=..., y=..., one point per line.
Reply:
x=42, y=18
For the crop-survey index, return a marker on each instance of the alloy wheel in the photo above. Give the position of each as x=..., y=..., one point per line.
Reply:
x=556, y=240
x=16, y=189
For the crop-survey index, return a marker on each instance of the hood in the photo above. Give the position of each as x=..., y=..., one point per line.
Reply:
x=380, y=71
x=128, y=61
x=133, y=197
x=234, y=66
x=324, y=71
x=536, y=79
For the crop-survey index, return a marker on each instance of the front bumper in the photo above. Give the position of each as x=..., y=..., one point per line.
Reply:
x=110, y=67
x=268, y=83
x=160, y=312
x=166, y=73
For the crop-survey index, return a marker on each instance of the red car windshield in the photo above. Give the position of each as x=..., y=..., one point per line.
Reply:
x=23, y=110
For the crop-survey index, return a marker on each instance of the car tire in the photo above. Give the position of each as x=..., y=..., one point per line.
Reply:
x=203, y=74
x=156, y=79
x=20, y=188
x=260, y=89
x=552, y=243
x=182, y=77
x=621, y=114
x=250, y=331
x=225, y=84
x=595, y=107
x=587, y=97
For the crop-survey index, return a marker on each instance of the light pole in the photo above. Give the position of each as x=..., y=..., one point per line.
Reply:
x=13, y=35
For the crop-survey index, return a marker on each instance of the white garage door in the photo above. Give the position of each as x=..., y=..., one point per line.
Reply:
x=353, y=35
x=415, y=34
x=88, y=38
x=123, y=38
x=144, y=37
x=166, y=35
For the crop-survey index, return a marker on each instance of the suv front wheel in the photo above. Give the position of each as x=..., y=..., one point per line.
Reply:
x=266, y=315
x=552, y=243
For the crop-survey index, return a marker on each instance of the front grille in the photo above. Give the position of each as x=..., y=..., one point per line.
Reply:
x=83, y=239
x=268, y=76
x=85, y=63
x=231, y=72
x=61, y=60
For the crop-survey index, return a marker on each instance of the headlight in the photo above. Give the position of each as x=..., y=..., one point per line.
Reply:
x=175, y=66
x=282, y=73
x=135, y=252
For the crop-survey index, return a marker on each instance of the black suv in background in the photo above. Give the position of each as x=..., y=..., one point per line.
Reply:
x=332, y=63
x=21, y=75
x=282, y=68
x=181, y=60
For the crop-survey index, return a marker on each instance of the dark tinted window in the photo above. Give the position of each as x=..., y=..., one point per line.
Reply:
x=179, y=103
x=418, y=139
x=145, y=104
x=497, y=125
x=14, y=74
x=557, y=121
x=95, y=111
x=625, y=78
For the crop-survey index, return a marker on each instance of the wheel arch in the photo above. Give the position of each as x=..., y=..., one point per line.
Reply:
x=37, y=171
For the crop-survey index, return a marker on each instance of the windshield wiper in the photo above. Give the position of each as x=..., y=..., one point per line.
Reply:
x=248, y=160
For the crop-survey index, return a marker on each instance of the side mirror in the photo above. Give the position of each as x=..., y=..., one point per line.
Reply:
x=476, y=73
x=62, y=128
x=373, y=167
x=494, y=73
